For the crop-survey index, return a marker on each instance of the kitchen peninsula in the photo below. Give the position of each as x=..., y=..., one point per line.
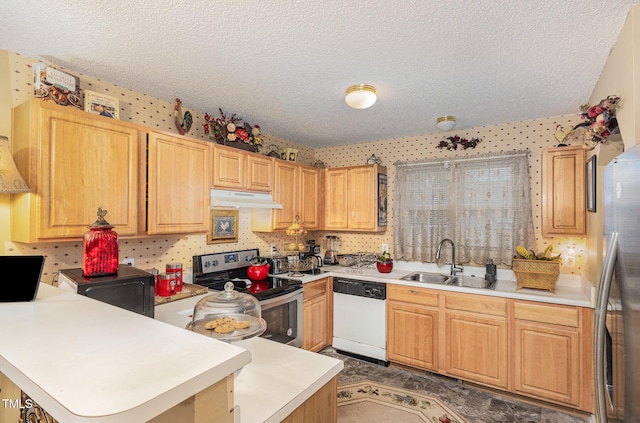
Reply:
x=82, y=360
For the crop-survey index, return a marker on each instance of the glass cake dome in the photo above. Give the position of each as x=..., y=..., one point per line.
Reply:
x=228, y=315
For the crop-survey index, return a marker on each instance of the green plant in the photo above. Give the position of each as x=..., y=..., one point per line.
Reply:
x=531, y=255
x=385, y=256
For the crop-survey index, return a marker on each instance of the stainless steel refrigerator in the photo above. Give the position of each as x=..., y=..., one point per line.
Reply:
x=617, y=323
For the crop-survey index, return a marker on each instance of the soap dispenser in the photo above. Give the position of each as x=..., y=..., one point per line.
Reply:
x=491, y=270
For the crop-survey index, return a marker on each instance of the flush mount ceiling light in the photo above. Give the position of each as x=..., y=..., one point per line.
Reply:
x=446, y=123
x=361, y=96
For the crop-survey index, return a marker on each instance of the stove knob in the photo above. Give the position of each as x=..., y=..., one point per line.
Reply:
x=214, y=263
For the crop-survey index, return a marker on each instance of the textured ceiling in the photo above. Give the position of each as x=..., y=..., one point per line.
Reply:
x=285, y=64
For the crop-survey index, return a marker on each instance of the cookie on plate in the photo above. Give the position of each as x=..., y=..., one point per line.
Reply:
x=224, y=328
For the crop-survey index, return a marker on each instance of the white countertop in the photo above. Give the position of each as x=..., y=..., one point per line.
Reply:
x=84, y=360
x=278, y=379
x=572, y=290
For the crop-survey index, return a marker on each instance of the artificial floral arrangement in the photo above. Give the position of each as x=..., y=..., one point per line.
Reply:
x=531, y=255
x=453, y=142
x=599, y=121
x=385, y=256
x=538, y=271
x=231, y=130
x=384, y=262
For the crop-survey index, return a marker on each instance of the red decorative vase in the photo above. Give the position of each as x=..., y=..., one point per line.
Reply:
x=384, y=266
x=100, y=248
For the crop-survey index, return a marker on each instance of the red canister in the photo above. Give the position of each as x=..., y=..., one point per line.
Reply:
x=166, y=284
x=176, y=269
x=156, y=277
x=100, y=248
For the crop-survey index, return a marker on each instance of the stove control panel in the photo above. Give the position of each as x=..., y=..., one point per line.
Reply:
x=219, y=262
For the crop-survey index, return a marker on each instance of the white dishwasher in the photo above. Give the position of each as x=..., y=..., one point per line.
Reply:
x=359, y=318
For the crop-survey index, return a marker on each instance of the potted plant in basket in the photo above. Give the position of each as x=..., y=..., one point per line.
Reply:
x=384, y=262
x=538, y=271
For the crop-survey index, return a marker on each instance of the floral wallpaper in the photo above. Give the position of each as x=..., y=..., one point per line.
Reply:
x=157, y=113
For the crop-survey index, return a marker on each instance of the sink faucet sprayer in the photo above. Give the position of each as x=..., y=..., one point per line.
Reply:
x=454, y=269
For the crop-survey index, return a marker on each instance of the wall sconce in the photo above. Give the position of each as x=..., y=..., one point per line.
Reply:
x=446, y=123
x=10, y=180
x=361, y=96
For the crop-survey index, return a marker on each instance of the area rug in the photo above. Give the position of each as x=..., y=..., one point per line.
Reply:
x=373, y=402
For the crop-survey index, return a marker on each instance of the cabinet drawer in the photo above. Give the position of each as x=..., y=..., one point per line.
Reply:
x=476, y=304
x=413, y=295
x=314, y=289
x=545, y=313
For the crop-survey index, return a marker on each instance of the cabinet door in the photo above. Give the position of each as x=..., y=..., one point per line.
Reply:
x=228, y=168
x=259, y=173
x=412, y=335
x=317, y=322
x=547, y=362
x=563, y=191
x=314, y=331
x=336, y=197
x=310, y=197
x=476, y=348
x=363, y=198
x=178, y=185
x=285, y=191
x=83, y=162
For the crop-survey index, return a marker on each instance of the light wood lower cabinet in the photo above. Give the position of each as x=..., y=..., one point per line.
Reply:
x=539, y=350
x=317, y=311
x=412, y=327
x=321, y=407
x=553, y=353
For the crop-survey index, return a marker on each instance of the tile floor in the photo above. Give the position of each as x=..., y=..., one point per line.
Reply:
x=476, y=405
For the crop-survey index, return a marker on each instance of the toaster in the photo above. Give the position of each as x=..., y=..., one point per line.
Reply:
x=279, y=264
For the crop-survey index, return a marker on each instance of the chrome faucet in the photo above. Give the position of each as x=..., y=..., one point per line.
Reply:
x=454, y=269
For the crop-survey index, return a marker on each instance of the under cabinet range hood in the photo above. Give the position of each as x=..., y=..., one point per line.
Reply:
x=239, y=199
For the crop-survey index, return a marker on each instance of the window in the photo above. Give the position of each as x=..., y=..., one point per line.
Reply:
x=482, y=203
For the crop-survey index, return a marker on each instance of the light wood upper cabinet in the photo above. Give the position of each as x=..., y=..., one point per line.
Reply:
x=355, y=198
x=310, y=207
x=286, y=191
x=336, y=199
x=298, y=189
x=74, y=162
x=563, y=191
x=178, y=184
x=240, y=170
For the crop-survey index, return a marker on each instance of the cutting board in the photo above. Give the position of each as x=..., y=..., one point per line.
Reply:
x=188, y=290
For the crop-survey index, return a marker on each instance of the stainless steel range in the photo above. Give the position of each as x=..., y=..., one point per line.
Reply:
x=280, y=298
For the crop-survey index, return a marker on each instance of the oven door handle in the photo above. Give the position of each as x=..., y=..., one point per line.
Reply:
x=281, y=299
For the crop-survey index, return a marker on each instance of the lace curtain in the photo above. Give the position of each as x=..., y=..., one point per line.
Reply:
x=482, y=203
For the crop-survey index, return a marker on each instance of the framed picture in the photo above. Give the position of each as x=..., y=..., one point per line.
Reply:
x=223, y=227
x=101, y=104
x=591, y=184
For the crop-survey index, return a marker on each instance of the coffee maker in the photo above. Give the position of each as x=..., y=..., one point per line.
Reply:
x=332, y=247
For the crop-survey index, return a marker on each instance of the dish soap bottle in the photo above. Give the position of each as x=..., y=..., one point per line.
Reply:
x=100, y=248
